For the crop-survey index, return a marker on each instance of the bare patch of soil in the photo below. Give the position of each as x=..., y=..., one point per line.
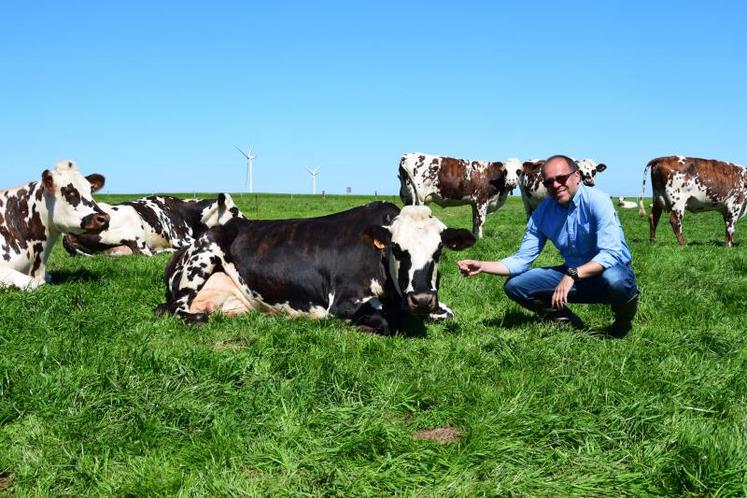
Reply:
x=227, y=345
x=6, y=481
x=442, y=435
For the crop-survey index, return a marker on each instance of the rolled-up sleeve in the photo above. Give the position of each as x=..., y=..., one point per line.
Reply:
x=612, y=250
x=532, y=244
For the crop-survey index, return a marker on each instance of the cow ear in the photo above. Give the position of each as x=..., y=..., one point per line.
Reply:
x=48, y=180
x=457, y=238
x=96, y=181
x=377, y=235
x=221, y=199
x=601, y=167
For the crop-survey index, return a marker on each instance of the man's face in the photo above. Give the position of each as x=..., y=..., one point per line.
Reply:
x=561, y=182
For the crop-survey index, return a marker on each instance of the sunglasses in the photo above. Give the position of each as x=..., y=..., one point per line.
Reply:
x=561, y=179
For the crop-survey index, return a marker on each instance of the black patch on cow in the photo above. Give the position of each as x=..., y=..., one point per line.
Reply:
x=71, y=195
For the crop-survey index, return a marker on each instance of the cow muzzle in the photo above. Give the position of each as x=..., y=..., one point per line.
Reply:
x=95, y=222
x=421, y=302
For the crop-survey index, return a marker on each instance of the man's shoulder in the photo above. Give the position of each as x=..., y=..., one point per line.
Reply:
x=596, y=196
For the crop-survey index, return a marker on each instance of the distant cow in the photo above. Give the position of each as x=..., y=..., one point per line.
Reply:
x=689, y=183
x=33, y=216
x=153, y=224
x=370, y=265
x=453, y=182
x=621, y=202
x=533, y=192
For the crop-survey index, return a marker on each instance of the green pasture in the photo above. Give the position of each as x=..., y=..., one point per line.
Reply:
x=98, y=397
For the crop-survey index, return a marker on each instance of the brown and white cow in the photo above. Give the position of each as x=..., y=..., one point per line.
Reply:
x=447, y=181
x=689, y=183
x=33, y=216
x=153, y=224
x=533, y=192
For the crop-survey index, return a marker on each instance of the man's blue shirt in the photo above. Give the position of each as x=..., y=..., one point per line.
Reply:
x=587, y=230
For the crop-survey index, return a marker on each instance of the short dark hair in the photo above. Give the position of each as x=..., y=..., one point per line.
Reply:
x=570, y=162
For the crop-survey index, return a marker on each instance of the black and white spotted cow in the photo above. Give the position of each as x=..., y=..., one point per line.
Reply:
x=447, y=181
x=33, y=216
x=689, y=183
x=153, y=224
x=533, y=192
x=370, y=265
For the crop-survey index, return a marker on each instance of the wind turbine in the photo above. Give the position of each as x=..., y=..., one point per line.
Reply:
x=313, y=174
x=249, y=163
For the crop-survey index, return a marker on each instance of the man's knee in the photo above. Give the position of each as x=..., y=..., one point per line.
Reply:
x=512, y=288
x=621, y=284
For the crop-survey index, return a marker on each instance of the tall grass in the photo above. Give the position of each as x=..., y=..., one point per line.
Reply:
x=99, y=397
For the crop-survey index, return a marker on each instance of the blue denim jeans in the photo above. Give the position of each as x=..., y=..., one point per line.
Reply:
x=616, y=285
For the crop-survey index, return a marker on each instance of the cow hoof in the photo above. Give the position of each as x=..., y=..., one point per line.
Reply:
x=161, y=309
x=194, y=318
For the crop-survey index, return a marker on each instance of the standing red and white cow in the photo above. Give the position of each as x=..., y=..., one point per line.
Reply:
x=533, y=192
x=34, y=215
x=689, y=183
x=447, y=181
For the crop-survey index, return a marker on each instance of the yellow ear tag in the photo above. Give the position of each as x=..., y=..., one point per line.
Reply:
x=378, y=244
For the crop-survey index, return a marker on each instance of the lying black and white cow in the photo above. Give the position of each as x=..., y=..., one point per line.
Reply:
x=153, y=224
x=33, y=216
x=533, y=192
x=370, y=264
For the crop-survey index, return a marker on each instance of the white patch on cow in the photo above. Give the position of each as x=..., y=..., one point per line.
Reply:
x=217, y=214
x=681, y=159
x=418, y=232
x=375, y=288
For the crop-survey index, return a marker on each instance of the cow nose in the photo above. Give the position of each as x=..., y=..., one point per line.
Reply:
x=96, y=222
x=422, y=301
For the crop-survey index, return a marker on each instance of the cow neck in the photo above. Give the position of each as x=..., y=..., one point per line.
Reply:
x=390, y=291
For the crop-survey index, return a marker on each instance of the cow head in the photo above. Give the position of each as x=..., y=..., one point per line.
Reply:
x=513, y=172
x=413, y=243
x=69, y=200
x=589, y=170
x=219, y=211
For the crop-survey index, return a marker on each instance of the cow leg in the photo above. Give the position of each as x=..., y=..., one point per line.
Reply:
x=12, y=278
x=443, y=313
x=368, y=316
x=188, y=278
x=675, y=218
x=479, y=213
x=729, y=220
x=653, y=221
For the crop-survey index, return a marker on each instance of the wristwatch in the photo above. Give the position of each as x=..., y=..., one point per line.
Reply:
x=572, y=272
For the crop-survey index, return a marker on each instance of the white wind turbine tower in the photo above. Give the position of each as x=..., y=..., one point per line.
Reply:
x=249, y=164
x=313, y=174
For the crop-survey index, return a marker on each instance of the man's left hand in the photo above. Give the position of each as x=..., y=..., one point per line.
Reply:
x=560, y=296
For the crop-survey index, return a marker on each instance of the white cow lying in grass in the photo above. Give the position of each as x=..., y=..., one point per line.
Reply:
x=621, y=202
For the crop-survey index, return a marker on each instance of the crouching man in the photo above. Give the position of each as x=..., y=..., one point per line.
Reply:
x=582, y=223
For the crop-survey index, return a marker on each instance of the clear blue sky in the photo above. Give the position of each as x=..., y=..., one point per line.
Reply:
x=155, y=95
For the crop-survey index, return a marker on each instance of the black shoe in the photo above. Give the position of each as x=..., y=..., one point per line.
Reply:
x=624, y=314
x=565, y=316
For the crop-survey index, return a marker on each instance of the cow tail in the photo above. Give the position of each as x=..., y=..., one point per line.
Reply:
x=641, y=207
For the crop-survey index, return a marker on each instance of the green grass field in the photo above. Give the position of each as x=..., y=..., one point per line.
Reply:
x=99, y=397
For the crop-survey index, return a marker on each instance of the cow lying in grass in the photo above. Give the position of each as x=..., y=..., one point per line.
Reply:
x=371, y=265
x=34, y=215
x=153, y=224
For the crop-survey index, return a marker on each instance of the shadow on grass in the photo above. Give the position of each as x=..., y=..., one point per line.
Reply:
x=64, y=277
x=711, y=243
